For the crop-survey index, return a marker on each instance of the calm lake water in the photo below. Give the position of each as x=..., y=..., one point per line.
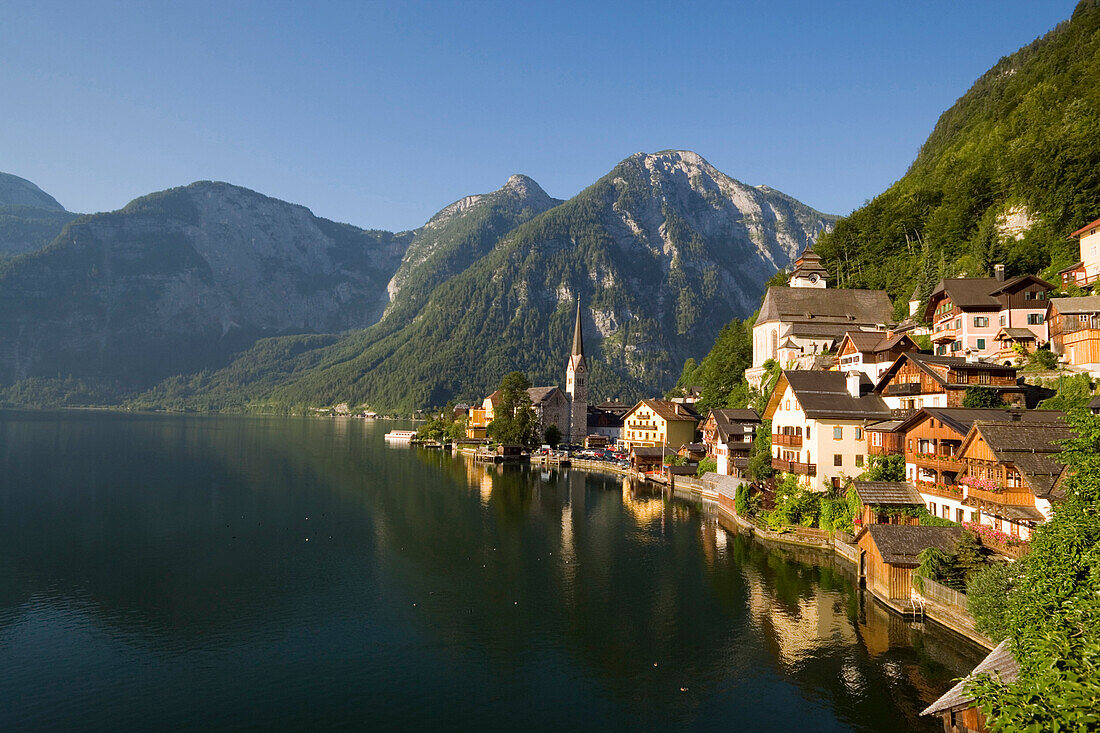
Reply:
x=169, y=572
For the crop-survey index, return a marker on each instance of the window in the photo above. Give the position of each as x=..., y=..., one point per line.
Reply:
x=1003, y=321
x=958, y=323
x=980, y=321
x=807, y=432
x=859, y=433
x=946, y=512
x=932, y=508
x=838, y=434
x=973, y=516
x=959, y=516
x=787, y=405
x=838, y=460
x=984, y=378
x=981, y=343
x=956, y=345
x=1034, y=295
x=1034, y=319
x=859, y=460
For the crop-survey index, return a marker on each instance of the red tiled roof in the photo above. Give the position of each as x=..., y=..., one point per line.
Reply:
x=1087, y=226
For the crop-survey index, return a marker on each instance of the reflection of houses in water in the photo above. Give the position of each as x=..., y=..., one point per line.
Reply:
x=644, y=508
x=800, y=631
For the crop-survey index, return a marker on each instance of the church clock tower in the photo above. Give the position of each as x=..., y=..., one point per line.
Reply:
x=576, y=386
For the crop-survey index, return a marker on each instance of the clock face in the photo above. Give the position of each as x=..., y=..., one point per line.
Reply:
x=813, y=277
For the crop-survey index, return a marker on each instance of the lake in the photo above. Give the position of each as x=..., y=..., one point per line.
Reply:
x=197, y=572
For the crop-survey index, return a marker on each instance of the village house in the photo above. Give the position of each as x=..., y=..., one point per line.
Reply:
x=1085, y=272
x=887, y=502
x=961, y=712
x=649, y=459
x=1013, y=345
x=1075, y=331
x=919, y=380
x=872, y=352
x=1012, y=475
x=932, y=439
x=799, y=322
x=728, y=435
x=818, y=419
x=967, y=312
x=656, y=423
x=605, y=423
x=889, y=553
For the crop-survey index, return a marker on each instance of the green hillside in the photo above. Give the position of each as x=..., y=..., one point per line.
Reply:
x=1025, y=139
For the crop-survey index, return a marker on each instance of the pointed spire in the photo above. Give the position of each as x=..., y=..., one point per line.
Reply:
x=578, y=340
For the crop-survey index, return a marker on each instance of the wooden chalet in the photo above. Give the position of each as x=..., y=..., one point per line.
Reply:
x=933, y=439
x=923, y=380
x=888, y=554
x=1075, y=329
x=872, y=352
x=1013, y=345
x=1012, y=476
x=959, y=711
x=728, y=435
x=648, y=458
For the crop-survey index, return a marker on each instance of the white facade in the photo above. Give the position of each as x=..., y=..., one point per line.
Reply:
x=838, y=448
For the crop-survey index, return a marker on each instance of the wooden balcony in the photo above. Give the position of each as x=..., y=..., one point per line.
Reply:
x=1008, y=497
x=935, y=461
x=804, y=469
x=904, y=388
x=941, y=490
x=790, y=441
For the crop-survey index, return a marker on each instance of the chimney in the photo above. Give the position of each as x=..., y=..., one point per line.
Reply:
x=999, y=272
x=853, y=383
x=972, y=356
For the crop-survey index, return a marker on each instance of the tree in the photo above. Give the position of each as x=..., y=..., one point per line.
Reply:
x=552, y=435
x=982, y=397
x=686, y=380
x=760, y=455
x=1052, y=614
x=514, y=420
x=885, y=468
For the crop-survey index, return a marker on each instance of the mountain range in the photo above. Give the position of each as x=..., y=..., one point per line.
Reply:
x=211, y=296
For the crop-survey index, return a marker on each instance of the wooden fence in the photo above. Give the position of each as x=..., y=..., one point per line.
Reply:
x=942, y=594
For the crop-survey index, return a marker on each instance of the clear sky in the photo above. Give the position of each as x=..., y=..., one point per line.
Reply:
x=379, y=114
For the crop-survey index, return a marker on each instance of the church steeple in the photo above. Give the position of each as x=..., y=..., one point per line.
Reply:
x=576, y=378
x=578, y=340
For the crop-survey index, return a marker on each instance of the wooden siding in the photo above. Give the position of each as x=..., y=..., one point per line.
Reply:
x=1082, y=347
x=888, y=581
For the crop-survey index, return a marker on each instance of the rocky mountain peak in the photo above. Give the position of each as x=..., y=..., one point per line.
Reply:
x=16, y=191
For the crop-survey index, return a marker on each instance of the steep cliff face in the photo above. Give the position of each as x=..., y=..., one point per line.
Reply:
x=29, y=217
x=178, y=280
x=662, y=252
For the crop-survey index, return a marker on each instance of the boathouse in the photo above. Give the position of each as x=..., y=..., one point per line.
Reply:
x=888, y=502
x=888, y=554
x=959, y=711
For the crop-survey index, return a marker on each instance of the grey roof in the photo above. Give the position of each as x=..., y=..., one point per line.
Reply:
x=1020, y=334
x=925, y=362
x=1094, y=403
x=815, y=330
x=1084, y=304
x=885, y=426
x=901, y=544
x=825, y=395
x=999, y=662
x=540, y=394
x=977, y=293
x=732, y=421
x=652, y=452
x=960, y=419
x=1030, y=447
x=888, y=493
x=825, y=305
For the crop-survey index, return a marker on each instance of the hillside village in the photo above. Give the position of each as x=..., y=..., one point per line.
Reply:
x=893, y=442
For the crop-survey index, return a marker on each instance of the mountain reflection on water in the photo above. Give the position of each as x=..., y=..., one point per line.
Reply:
x=181, y=571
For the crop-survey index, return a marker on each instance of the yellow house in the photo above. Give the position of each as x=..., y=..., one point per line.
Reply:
x=655, y=423
x=476, y=422
x=1087, y=271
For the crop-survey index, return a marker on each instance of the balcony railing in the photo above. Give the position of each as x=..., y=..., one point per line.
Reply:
x=944, y=490
x=904, y=388
x=805, y=469
x=1006, y=496
x=935, y=460
x=791, y=441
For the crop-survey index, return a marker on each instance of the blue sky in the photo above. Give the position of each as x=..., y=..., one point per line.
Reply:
x=379, y=114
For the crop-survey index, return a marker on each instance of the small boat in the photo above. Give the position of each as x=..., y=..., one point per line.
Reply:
x=401, y=435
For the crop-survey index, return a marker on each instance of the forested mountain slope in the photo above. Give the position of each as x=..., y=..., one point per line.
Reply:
x=29, y=217
x=1009, y=170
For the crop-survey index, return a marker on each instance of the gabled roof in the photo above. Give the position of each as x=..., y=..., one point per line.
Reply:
x=999, y=663
x=876, y=342
x=888, y=493
x=1085, y=228
x=826, y=305
x=977, y=293
x=1015, y=334
x=652, y=452
x=668, y=410
x=1094, y=403
x=825, y=395
x=925, y=362
x=733, y=421
x=1031, y=447
x=541, y=394
x=961, y=419
x=902, y=544
x=1083, y=304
